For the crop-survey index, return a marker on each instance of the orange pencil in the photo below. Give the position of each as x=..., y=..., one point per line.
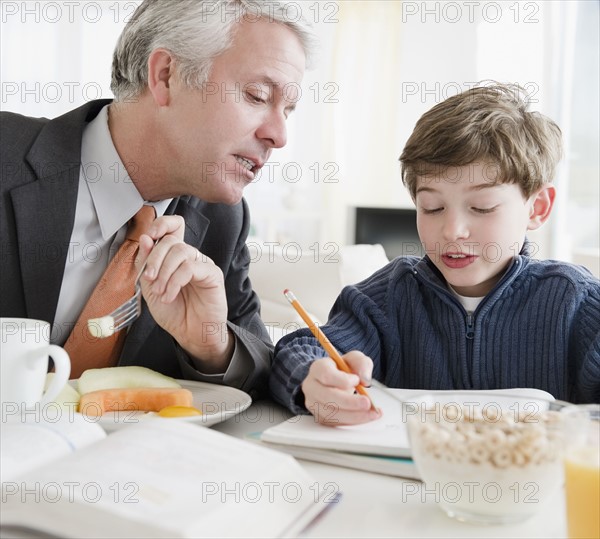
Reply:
x=324, y=341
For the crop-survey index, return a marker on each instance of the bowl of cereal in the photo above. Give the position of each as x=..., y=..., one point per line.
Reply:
x=488, y=457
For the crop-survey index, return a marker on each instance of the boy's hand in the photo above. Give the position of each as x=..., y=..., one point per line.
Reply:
x=329, y=394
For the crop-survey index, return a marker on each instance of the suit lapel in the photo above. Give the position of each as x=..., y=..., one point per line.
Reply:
x=196, y=226
x=45, y=208
x=44, y=213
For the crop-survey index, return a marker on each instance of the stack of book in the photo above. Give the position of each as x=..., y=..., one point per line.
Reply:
x=381, y=446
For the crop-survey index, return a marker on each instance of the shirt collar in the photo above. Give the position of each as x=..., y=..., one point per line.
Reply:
x=115, y=196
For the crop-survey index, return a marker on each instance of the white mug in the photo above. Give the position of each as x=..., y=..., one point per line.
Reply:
x=24, y=363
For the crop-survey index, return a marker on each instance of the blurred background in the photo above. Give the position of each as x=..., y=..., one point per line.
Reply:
x=381, y=65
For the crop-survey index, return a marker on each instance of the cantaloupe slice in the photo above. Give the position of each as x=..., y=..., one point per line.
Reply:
x=123, y=377
x=143, y=399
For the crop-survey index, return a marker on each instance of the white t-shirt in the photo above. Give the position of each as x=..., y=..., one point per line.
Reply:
x=469, y=303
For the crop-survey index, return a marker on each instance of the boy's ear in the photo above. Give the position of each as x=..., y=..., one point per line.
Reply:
x=160, y=74
x=541, y=206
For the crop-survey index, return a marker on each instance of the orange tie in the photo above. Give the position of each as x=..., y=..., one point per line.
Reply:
x=116, y=286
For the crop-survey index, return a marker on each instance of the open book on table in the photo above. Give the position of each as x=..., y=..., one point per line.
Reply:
x=159, y=478
x=381, y=446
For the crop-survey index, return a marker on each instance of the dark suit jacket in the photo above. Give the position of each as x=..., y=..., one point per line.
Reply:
x=40, y=163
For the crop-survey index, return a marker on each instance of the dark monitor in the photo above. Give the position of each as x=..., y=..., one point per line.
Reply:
x=394, y=228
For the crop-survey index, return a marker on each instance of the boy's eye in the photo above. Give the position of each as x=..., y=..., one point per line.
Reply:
x=485, y=210
x=431, y=211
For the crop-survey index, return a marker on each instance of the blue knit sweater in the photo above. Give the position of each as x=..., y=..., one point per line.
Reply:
x=539, y=327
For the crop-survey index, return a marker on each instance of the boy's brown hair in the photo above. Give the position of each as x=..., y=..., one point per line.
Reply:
x=489, y=124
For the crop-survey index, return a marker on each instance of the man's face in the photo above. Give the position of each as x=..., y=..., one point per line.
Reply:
x=217, y=139
x=471, y=227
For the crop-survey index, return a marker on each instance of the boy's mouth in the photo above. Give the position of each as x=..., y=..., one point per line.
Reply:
x=457, y=260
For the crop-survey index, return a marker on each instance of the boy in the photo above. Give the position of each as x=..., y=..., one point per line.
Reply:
x=476, y=312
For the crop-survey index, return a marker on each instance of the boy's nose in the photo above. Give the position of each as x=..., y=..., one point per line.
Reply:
x=455, y=228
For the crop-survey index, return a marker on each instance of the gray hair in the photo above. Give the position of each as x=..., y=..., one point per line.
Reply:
x=195, y=32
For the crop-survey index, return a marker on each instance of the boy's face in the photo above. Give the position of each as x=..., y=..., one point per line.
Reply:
x=471, y=227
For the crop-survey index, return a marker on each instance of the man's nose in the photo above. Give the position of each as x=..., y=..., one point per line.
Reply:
x=273, y=130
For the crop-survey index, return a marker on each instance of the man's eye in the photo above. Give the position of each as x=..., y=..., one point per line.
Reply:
x=254, y=98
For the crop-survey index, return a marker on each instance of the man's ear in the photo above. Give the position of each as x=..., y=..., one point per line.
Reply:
x=541, y=206
x=160, y=76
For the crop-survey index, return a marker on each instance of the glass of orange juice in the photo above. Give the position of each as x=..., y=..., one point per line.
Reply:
x=582, y=470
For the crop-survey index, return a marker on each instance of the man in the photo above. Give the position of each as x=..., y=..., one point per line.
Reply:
x=202, y=93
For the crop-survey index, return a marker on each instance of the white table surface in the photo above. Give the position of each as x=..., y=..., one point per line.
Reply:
x=372, y=505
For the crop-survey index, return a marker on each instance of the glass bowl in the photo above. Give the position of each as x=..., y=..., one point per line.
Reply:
x=487, y=457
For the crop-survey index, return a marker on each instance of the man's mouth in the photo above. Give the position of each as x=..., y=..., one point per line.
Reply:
x=246, y=163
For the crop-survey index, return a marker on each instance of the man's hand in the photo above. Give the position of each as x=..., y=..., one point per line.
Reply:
x=185, y=292
x=329, y=394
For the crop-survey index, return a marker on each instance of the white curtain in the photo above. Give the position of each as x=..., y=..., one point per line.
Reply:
x=382, y=64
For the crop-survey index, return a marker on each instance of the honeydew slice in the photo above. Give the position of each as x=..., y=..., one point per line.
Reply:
x=101, y=327
x=123, y=377
x=68, y=398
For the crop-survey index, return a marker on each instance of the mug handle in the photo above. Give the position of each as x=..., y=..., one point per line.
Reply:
x=62, y=370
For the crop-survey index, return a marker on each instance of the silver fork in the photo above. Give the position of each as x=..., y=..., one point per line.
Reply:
x=123, y=316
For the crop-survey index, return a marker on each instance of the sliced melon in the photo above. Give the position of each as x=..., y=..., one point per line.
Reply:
x=122, y=378
x=67, y=398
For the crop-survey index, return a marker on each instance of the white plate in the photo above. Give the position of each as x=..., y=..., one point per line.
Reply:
x=216, y=402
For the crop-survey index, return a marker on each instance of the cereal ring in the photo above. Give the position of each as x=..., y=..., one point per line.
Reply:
x=533, y=433
x=534, y=450
x=457, y=438
x=431, y=447
x=552, y=416
x=478, y=452
x=443, y=436
x=519, y=458
x=474, y=437
x=438, y=455
x=465, y=428
x=495, y=438
x=502, y=457
x=460, y=451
